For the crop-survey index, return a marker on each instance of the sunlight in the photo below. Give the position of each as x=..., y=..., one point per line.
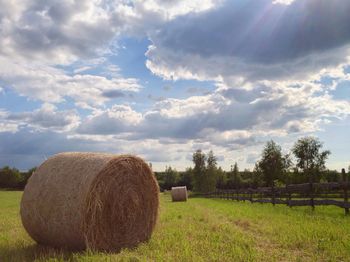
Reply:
x=284, y=2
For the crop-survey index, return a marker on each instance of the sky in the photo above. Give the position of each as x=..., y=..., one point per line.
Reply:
x=163, y=78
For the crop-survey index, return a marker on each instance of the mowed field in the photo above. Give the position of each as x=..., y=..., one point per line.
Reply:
x=205, y=230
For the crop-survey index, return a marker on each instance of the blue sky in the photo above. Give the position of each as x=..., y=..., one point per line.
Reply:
x=161, y=79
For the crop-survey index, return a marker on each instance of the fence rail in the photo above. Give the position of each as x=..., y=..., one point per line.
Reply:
x=309, y=194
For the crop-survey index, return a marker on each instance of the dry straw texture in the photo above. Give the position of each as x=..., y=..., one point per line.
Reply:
x=179, y=193
x=89, y=200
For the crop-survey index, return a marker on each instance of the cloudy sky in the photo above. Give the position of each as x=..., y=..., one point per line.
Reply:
x=162, y=78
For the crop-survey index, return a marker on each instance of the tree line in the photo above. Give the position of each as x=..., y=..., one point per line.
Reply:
x=306, y=162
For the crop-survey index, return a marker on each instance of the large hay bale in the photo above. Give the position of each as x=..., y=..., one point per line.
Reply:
x=179, y=193
x=91, y=200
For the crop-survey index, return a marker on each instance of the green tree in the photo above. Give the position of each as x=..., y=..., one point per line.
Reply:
x=186, y=178
x=221, y=178
x=310, y=159
x=210, y=178
x=273, y=164
x=170, y=177
x=257, y=179
x=235, y=179
x=199, y=169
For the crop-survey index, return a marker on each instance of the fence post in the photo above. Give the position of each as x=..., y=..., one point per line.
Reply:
x=289, y=197
x=312, y=196
x=345, y=187
x=273, y=193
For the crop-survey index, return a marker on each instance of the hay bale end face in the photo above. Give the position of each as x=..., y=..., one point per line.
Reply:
x=179, y=193
x=89, y=200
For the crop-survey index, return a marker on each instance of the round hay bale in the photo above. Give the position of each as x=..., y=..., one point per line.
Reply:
x=91, y=200
x=179, y=193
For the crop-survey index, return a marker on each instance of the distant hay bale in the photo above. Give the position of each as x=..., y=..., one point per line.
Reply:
x=179, y=193
x=90, y=200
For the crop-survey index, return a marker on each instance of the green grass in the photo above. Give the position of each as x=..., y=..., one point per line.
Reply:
x=205, y=230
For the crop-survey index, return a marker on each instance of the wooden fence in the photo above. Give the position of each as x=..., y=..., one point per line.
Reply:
x=309, y=194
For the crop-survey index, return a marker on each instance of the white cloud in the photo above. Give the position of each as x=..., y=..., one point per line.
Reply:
x=57, y=31
x=60, y=32
x=231, y=118
x=173, y=8
x=118, y=119
x=53, y=85
x=38, y=36
x=6, y=126
x=181, y=108
x=45, y=118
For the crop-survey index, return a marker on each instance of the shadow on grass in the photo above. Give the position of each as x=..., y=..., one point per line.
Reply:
x=35, y=252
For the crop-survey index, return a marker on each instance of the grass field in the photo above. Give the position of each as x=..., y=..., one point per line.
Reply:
x=205, y=230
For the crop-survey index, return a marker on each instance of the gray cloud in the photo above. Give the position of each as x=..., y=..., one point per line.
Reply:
x=113, y=94
x=167, y=88
x=155, y=98
x=197, y=90
x=26, y=149
x=261, y=32
x=254, y=39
